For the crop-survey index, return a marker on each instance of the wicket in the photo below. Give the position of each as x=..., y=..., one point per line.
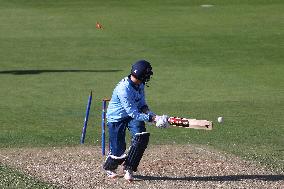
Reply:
x=104, y=108
x=84, y=129
x=103, y=124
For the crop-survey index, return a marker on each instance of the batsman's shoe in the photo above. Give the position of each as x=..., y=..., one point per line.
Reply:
x=128, y=175
x=111, y=174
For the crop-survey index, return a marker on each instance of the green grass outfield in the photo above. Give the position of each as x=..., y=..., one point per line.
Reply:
x=225, y=60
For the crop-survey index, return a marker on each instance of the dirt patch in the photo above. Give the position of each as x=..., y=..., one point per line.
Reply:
x=183, y=166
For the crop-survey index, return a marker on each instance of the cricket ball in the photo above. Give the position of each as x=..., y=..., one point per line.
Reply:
x=220, y=119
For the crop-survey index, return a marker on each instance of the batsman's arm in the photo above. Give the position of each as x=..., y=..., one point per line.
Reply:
x=128, y=105
x=145, y=109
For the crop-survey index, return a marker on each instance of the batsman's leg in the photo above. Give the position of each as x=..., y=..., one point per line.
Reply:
x=117, y=147
x=139, y=143
x=112, y=163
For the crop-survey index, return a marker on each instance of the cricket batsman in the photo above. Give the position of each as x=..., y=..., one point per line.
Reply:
x=128, y=109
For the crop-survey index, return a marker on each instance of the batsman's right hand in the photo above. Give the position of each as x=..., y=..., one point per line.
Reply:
x=162, y=121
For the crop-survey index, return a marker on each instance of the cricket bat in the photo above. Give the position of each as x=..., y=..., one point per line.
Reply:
x=190, y=123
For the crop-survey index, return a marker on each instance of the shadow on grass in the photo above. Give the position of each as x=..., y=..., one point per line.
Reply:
x=30, y=72
x=216, y=178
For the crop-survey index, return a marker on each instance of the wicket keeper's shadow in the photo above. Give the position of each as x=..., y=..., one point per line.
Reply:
x=216, y=178
x=32, y=72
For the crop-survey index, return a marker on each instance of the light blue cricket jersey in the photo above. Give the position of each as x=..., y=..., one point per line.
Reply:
x=127, y=100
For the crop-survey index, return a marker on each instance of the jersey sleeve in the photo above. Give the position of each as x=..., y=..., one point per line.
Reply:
x=143, y=104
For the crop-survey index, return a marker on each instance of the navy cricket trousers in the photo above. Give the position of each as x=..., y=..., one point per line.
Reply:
x=117, y=133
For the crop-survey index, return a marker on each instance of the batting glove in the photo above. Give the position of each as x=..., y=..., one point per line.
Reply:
x=162, y=121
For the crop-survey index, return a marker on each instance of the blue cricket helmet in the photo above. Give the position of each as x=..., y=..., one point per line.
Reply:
x=142, y=70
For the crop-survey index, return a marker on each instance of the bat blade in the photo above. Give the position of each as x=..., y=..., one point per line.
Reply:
x=191, y=123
